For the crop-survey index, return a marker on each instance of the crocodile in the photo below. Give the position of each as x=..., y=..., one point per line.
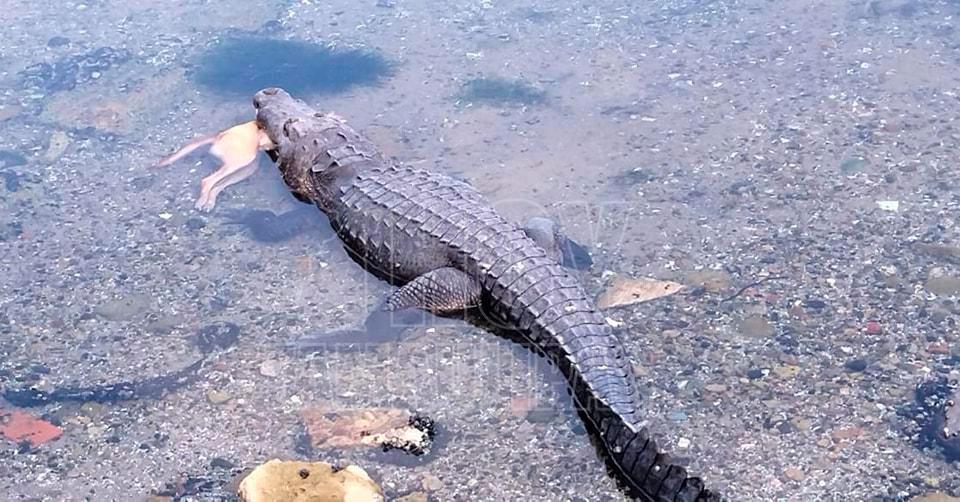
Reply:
x=446, y=248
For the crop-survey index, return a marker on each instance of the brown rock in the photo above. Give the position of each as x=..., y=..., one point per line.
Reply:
x=296, y=481
x=716, y=387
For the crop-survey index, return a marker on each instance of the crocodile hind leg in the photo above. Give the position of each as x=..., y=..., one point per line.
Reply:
x=443, y=291
x=565, y=250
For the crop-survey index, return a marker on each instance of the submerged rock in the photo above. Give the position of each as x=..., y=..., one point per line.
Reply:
x=943, y=286
x=125, y=308
x=499, y=91
x=295, y=481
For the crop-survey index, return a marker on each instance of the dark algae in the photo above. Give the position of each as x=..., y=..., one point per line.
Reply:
x=151, y=388
x=236, y=65
x=211, y=339
x=71, y=71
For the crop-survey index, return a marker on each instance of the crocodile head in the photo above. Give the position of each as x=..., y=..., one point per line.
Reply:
x=295, y=129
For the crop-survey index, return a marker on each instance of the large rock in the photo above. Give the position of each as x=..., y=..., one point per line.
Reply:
x=295, y=481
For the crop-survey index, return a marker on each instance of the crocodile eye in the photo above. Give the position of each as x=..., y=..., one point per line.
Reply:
x=288, y=127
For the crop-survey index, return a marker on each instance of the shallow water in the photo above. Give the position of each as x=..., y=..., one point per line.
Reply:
x=711, y=143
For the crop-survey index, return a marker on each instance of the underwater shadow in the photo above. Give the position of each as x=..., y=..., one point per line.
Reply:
x=244, y=65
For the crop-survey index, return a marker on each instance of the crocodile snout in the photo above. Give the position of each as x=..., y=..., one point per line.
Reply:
x=261, y=97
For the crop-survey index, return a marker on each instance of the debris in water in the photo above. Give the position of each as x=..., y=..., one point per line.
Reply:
x=627, y=291
x=388, y=428
x=18, y=427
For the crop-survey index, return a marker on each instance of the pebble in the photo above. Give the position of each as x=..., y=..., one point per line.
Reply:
x=218, y=397
x=756, y=326
x=58, y=144
x=851, y=432
x=683, y=443
x=431, y=483
x=794, y=474
x=125, y=308
x=165, y=323
x=713, y=281
x=943, y=286
x=271, y=368
x=217, y=336
x=541, y=415
x=756, y=373
x=858, y=364
x=195, y=223
x=716, y=387
x=787, y=371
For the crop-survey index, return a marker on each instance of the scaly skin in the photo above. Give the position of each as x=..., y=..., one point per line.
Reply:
x=402, y=223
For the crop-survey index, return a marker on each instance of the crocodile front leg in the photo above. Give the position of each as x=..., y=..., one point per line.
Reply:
x=442, y=291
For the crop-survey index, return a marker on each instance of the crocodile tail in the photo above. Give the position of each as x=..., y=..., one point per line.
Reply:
x=635, y=458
